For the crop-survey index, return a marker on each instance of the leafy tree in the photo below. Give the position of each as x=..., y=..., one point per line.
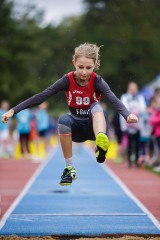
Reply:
x=129, y=31
x=34, y=56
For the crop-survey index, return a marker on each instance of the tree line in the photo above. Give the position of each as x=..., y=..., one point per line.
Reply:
x=33, y=57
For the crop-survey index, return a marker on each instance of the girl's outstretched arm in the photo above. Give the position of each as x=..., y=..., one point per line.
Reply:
x=60, y=85
x=103, y=87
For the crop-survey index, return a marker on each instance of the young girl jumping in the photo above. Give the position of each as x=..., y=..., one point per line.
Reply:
x=86, y=121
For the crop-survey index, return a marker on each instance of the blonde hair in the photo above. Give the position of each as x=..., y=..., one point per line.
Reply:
x=89, y=51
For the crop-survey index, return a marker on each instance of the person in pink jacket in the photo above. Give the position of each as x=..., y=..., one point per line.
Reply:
x=155, y=122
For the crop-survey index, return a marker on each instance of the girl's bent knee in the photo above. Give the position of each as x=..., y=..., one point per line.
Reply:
x=96, y=107
x=63, y=129
x=64, y=125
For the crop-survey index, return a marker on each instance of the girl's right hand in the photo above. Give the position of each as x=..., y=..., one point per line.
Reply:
x=6, y=116
x=132, y=118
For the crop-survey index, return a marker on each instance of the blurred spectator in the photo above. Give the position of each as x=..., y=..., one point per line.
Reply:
x=155, y=122
x=33, y=132
x=145, y=135
x=120, y=137
x=4, y=131
x=52, y=125
x=117, y=128
x=135, y=103
x=24, y=127
x=42, y=119
x=151, y=145
x=42, y=124
x=157, y=92
x=105, y=110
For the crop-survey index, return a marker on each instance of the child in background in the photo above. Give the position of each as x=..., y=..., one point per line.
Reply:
x=83, y=89
x=42, y=125
x=135, y=103
x=157, y=92
x=4, y=132
x=42, y=119
x=145, y=134
x=152, y=142
x=121, y=137
x=23, y=119
x=155, y=123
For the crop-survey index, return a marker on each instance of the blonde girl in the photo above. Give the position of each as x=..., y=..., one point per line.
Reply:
x=86, y=121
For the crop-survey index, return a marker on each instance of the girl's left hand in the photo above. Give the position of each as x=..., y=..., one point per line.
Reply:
x=132, y=118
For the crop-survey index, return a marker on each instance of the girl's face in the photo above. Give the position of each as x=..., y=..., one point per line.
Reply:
x=84, y=68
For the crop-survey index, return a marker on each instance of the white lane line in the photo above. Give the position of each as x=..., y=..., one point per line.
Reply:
x=132, y=196
x=24, y=190
x=127, y=191
x=76, y=214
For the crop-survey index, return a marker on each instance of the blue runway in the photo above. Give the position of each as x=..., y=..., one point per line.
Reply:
x=94, y=205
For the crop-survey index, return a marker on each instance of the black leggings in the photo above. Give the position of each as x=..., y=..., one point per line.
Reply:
x=24, y=142
x=133, y=146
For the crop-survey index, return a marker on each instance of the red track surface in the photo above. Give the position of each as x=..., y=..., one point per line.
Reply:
x=143, y=184
x=14, y=174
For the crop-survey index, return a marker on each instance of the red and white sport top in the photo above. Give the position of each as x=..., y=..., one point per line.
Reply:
x=80, y=98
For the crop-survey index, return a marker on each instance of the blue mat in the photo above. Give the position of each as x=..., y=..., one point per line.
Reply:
x=94, y=205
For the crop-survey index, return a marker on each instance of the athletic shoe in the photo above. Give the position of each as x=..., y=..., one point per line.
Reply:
x=102, y=143
x=157, y=169
x=69, y=174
